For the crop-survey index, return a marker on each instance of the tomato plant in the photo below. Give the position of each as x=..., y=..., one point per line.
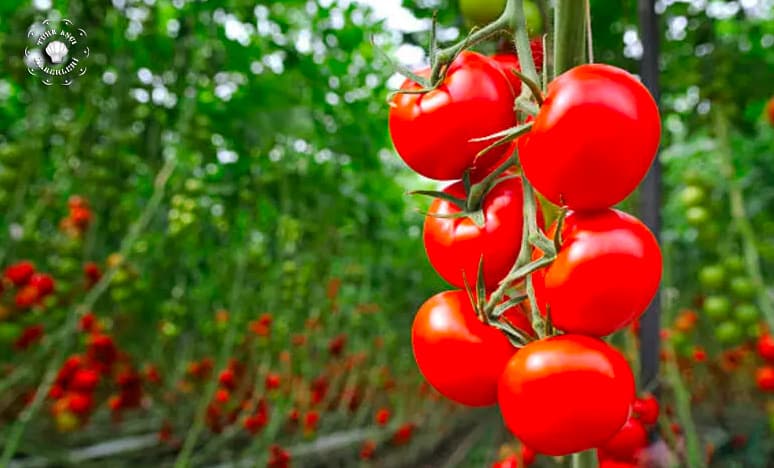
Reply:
x=593, y=139
x=534, y=400
x=605, y=274
x=433, y=132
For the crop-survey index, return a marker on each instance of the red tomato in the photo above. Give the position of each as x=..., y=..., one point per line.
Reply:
x=770, y=111
x=537, y=52
x=604, y=276
x=627, y=442
x=508, y=62
x=457, y=354
x=527, y=455
x=432, y=131
x=508, y=462
x=764, y=377
x=766, y=347
x=646, y=409
x=593, y=139
x=19, y=273
x=607, y=463
x=455, y=246
x=566, y=394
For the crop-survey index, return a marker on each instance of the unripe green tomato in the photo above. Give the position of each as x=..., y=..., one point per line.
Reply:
x=481, y=12
x=693, y=177
x=712, y=277
x=754, y=331
x=534, y=18
x=728, y=333
x=716, y=307
x=692, y=195
x=746, y=313
x=697, y=216
x=742, y=287
x=734, y=264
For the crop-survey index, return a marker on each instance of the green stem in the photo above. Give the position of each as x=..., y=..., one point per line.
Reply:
x=479, y=190
x=531, y=235
x=740, y=219
x=694, y=458
x=512, y=17
x=586, y=459
x=445, y=56
x=514, y=9
x=183, y=458
x=570, y=35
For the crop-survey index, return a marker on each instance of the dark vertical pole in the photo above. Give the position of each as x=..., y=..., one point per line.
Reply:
x=650, y=195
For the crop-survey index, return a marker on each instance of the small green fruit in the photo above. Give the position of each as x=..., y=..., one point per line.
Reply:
x=712, y=277
x=716, y=307
x=692, y=195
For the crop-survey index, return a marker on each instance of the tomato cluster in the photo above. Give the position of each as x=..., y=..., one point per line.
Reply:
x=102, y=367
x=592, y=141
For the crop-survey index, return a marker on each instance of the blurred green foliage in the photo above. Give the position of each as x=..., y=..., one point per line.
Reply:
x=274, y=113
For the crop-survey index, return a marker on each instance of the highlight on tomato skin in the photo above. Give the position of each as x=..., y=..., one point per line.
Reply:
x=606, y=273
x=594, y=138
x=533, y=394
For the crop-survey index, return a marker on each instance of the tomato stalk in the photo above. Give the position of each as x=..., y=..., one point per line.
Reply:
x=585, y=459
x=694, y=458
x=570, y=35
x=523, y=267
x=741, y=221
x=445, y=56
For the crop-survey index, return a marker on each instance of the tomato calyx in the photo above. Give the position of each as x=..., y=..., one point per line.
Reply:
x=502, y=137
x=472, y=205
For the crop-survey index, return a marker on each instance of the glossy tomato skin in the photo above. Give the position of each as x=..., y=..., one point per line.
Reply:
x=566, y=394
x=626, y=444
x=646, y=409
x=593, y=139
x=455, y=246
x=605, y=274
x=764, y=378
x=432, y=131
x=765, y=347
x=457, y=354
x=508, y=62
x=508, y=462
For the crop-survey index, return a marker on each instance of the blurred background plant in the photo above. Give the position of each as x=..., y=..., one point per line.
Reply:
x=223, y=264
